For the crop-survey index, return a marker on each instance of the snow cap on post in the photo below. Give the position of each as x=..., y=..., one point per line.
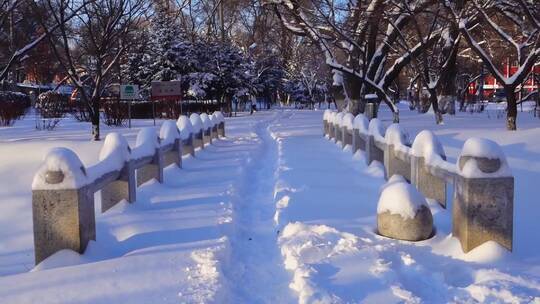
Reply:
x=184, y=125
x=400, y=197
x=376, y=129
x=207, y=123
x=168, y=132
x=146, y=143
x=338, y=119
x=196, y=122
x=361, y=123
x=115, y=151
x=347, y=121
x=482, y=157
x=395, y=136
x=219, y=116
x=61, y=170
x=428, y=146
x=327, y=114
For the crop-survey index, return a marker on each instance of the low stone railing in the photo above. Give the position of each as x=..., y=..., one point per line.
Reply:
x=63, y=188
x=483, y=198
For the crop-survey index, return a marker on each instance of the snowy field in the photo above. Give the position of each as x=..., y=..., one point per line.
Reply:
x=274, y=213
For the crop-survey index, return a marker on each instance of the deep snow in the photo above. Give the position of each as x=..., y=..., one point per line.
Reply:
x=274, y=213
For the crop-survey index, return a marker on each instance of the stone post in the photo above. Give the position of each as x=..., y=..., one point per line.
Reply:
x=63, y=219
x=221, y=129
x=337, y=135
x=358, y=142
x=483, y=207
x=325, y=127
x=152, y=170
x=331, y=131
x=207, y=136
x=215, y=132
x=373, y=152
x=198, y=140
x=347, y=137
x=394, y=165
x=371, y=110
x=174, y=156
x=125, y=187
x=188, y=146
x=428, y=184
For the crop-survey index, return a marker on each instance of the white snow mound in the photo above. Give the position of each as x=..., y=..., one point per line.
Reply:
x=168, y=132
x=348, y=121
x=196, y=122
x=400, y=197
x=361, y=123
x=65, y=160
x=146, y=143
x=207, y=124
x=115, y=151
x=184, y=125
x=481, y=147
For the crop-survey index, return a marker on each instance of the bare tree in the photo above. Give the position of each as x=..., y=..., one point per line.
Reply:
x=517, y=24
x=89, y=47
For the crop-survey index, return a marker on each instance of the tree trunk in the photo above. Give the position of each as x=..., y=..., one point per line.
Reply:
x=95, y=119
x=511, y=110
x=435, y=104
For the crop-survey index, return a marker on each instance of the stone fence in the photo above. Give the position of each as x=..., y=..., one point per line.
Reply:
x=63, y=188
x=483, y=197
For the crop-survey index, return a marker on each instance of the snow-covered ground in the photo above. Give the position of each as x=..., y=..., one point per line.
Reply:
x=275, y=213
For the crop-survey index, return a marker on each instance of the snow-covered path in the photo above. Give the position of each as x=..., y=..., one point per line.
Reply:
x=255, y=268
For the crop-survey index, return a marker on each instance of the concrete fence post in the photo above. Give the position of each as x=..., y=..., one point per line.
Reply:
x=198, y=139
x=428, y=184
x=325, y=128
x=62, y=208
x=207, y=136
x=347, y=137
x=373, y=153
x=174, y=156
x=215, y=131
x=394, y=165
x=152, y=170
x=358, y=143
x=125, y=187
x=188, y=147
x=221, y=129
x=483, y=206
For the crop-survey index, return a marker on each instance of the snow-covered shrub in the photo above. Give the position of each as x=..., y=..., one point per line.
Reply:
x=12, y=106
x=52, y=107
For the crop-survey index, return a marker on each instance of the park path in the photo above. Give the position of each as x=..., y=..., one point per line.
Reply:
x=255, y=269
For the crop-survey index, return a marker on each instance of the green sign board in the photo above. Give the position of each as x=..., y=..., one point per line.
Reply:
x=129, y=91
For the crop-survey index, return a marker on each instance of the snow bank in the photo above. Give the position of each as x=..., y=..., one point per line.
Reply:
x=62, y=258
x=219, y=116
x=196, y=122
x=400, y=197
x=484, y=148
x=376, y=129
x=184, y=125
x=66, y=161
x=348, y=121
x=361, y=123
x=168, y=132
x=303, y=246
x=146, y=143
x=207, y=124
